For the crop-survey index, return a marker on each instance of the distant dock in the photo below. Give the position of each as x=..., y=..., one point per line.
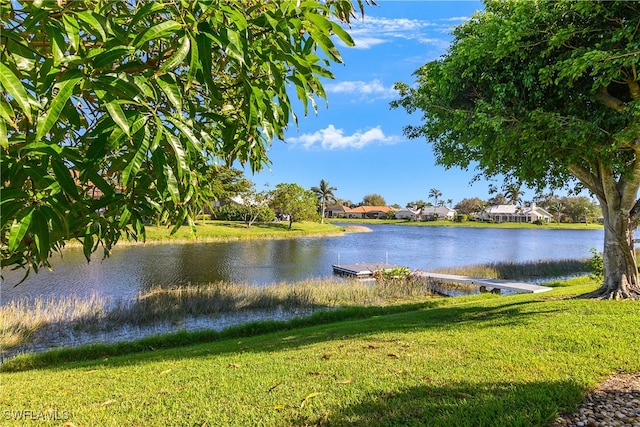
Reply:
x=363, y=269
x=368, y=269
x=506, y=285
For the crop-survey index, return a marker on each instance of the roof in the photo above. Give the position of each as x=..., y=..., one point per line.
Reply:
x=517, y=210
x=369, y=209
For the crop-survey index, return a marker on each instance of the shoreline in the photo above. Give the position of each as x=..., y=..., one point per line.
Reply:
x=222, y=239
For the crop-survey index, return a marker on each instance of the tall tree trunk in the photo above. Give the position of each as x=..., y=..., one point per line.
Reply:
x=620, y=206
x=619, y=256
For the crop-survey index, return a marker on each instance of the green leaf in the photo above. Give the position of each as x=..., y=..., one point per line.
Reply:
x=170, y=88
x=186, y=131
x=177, y=58
x=146, y=10
x=109, y=57
x=204, y=45
x=87, y=243
x=340, y=32
x=159, y=30
x=58, y=45
x=19, y=230
x=319, y=21
x=7, y=113
x=325, y=44
x=114, y=110
x=132, y=168
x=72, y=28
x=12, y=84
x=65, y=90
x=64, y=178
x=90, y=18
x=4, y=140
x=194, y=63
x=181, y=156
x=40, y=230
x=172, y=184
x=234, y=48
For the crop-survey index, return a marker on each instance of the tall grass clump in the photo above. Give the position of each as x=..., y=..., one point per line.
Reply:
x=23, y=323
x=522, y=270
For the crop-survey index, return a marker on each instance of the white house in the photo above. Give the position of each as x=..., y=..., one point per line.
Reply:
x=335, y=211
x=516, y=213
x=407, y=213
x=430, y=213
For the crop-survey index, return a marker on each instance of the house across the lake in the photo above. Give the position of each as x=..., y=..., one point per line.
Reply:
x=368, y=212
x=427, y=213
x=407, y=213
x=361, y=212
x=516, y=213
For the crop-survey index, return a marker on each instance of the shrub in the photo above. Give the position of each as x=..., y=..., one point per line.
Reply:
x=596, y=265
x=461, y=218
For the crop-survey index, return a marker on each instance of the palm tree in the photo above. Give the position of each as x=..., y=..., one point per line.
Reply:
x=513, y=193
x=435, y=194
x=325, y=195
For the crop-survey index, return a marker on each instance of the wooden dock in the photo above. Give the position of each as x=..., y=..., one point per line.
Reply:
x=508, y=285
x=362, y=269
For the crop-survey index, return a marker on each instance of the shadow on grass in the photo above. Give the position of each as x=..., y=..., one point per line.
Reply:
x=322, y=326
x=463, y=404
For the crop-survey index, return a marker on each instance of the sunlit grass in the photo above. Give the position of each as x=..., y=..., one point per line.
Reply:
x=232, y=230
x=485, y=360
x=23, y=323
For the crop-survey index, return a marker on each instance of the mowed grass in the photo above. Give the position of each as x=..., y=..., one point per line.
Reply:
x=472, y=361
x=233, y=230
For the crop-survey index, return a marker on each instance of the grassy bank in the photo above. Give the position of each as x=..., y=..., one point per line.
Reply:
x=484, y=360
x=25, y=323
x=231, y=230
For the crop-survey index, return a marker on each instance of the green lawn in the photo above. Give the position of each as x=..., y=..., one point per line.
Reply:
x=484, y=360
x=232, y=230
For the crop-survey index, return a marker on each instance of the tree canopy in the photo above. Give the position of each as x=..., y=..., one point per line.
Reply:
x=114, y=111
x=295, y=202
x=373, y=200
x=544, y=93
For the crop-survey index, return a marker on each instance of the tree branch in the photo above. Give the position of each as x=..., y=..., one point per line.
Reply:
x=634, y=88
x=588, y=178
x=608, y=100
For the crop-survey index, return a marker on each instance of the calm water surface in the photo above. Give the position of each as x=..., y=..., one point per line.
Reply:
x=133, y=269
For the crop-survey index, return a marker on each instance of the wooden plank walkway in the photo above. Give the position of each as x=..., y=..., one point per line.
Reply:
x=362, y=269
x=489, y=283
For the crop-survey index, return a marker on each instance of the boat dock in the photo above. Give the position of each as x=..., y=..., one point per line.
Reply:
x=363, y=269
x=508, y=285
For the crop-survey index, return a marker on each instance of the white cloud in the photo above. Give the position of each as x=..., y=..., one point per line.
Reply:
x=457, y=19
x=366, y=42
x=331, y=138
x=373, y=31
x=373, y=88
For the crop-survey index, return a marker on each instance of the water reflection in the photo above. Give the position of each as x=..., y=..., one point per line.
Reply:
x=133, y=269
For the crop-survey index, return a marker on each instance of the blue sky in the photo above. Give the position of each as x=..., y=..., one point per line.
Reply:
x=356, y=143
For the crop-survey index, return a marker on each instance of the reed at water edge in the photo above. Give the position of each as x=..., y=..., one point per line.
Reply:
x=22, y=323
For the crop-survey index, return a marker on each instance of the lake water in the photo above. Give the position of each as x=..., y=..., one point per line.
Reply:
x=133, y=269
